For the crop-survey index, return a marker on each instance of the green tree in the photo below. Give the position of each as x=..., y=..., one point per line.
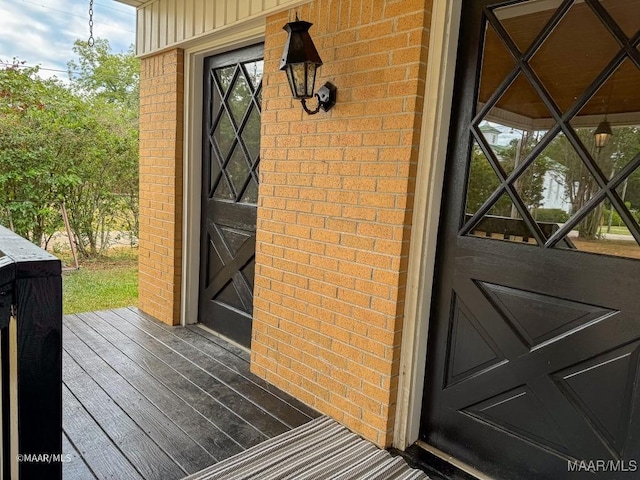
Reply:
x=530, y=185
x=33, y=174
x=75, y=144
x=105, y=159
x=581, y=186
x=112, y=77
x=108, y=196
x=625, y=146
x=483, y=181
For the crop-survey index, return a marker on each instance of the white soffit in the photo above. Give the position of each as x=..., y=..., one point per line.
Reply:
x=133, y=3
x=164, y=24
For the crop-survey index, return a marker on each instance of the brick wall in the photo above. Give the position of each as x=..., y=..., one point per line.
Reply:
x=335, y=208
x=161, y=127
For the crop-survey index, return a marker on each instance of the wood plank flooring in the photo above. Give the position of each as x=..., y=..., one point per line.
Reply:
x=143, y=400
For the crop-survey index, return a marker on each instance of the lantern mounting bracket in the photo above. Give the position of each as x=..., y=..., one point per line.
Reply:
x=326, y=97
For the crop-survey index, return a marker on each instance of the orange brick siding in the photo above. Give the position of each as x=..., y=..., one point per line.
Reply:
x=161, y=127
x=335, y=208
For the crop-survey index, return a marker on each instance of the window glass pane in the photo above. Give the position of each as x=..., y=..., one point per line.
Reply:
x=239, y=99
x=573, y=55
x=224, y=76
x=616, y=102
x=255, y=71
x=251, y=134
x=523, y=22
x=223, y=191
x=497, y=62
x=237, y=170
x=224, y=134
x=502, y=223
x=626, y=13
x=610, y=236
x=483, y=181
x=559, y=181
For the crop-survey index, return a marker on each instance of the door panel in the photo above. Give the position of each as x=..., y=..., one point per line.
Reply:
x=534, y=340
x=231, y=159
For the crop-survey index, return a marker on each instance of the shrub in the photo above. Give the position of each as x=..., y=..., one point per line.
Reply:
x=554, y=215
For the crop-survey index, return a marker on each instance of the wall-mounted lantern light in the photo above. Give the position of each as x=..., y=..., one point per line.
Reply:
x=300, y=60
x=602, y=134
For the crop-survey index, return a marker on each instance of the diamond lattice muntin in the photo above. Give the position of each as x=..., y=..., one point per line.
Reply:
x=234, y=136
x=535, y=174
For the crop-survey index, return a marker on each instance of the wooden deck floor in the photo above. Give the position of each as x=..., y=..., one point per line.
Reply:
x=144, y=400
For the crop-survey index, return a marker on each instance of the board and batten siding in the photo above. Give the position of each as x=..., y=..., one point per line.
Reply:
x=164, y=24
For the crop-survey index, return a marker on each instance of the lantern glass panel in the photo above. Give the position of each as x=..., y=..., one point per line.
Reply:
x=602, y=134
x=601, y=139
x=292, y=84
x=311, y=78
x=299, y=79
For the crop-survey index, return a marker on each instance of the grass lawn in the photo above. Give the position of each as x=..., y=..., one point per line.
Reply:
x=107, y=282
x=615, y=230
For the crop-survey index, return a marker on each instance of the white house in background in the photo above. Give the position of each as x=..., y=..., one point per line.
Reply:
x=555, y=192
x=491, y=133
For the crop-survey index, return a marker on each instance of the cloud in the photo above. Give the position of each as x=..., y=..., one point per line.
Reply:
x=42, y=32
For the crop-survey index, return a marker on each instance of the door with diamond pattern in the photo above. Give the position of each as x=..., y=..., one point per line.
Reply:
x=534, y=340
x=231, y=160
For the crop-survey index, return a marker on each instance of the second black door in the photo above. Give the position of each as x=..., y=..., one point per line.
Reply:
x=534, y=343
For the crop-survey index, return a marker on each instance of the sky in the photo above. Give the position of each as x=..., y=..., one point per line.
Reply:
x=42, y=32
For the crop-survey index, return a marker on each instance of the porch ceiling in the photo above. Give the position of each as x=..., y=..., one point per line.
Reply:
x=569, y=60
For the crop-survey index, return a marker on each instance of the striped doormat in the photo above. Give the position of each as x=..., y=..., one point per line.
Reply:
x=319, y=450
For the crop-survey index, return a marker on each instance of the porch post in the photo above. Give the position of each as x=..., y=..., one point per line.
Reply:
x=161, y=141
x=39, y=332
x=31, y=283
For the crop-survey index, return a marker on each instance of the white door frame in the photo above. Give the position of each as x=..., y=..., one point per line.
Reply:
x=242, y=35
x=443, y=41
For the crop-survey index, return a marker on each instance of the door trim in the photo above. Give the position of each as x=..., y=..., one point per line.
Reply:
x=443, y=41
x=244, y=34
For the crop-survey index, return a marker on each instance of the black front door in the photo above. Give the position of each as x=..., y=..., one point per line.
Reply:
x=534, y=342
x=231, y=158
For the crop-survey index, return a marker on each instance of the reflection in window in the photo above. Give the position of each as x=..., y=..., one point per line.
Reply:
x=556, y=174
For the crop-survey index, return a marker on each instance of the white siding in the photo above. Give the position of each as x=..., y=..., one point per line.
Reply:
x=172, y=23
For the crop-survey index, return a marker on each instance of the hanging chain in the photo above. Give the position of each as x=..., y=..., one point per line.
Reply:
x=91, y=42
